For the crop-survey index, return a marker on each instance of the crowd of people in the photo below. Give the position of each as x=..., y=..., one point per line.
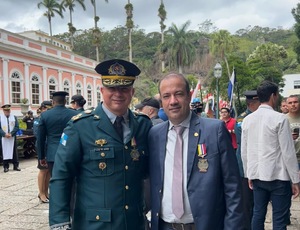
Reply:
x=167, y=162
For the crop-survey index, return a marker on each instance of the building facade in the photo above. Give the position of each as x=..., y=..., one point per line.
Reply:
x=292, y=85
x=32, y=68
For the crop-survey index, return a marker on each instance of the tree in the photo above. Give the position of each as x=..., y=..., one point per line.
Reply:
x=52, y=7
x=181, y=48
x=296, y=14
x=96, y=32
x=129, y=25
x=162, y=14
x=266, y=62
x=70, y=4
x=221, y=43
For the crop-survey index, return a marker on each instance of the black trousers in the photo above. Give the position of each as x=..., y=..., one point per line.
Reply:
x=247, y=204
x=14, y=160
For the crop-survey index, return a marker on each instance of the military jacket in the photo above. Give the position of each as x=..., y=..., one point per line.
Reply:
x=238, y=134
x=109, y=173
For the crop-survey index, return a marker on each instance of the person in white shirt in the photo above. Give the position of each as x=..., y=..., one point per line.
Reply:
x=269, y=159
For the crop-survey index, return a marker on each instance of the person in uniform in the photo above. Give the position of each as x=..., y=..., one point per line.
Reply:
x=50, y=128
x=9, y=127
x=247, y=194
x=28, y=119
x=77, y=102
x=106, y=151
x=43, y=175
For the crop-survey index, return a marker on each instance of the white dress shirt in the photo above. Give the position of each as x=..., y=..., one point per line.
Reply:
x=166, y=207
x=267, y=147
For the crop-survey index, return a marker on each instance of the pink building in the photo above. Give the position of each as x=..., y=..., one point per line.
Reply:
x=32, y=68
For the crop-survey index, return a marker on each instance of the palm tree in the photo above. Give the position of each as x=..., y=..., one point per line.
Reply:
x=96, y=32
x=129, y=25
x=52, y=7
x=163, y=15
x=182, y=49
x=70, y=4
x=222, y=43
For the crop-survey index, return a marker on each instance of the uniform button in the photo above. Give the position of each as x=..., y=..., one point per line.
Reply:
x=157, y=214
x=102, y=154
x=126, y=207
x=125, y=147
x=159, y=191
x=97, y=217
x=126, y=167
x=126, y=187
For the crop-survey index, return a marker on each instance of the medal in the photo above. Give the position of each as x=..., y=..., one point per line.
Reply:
x=202, y=165
x=134, y=152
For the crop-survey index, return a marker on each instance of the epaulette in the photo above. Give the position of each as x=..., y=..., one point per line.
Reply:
x=136, y=114
x=84, y=114
x=241, y=117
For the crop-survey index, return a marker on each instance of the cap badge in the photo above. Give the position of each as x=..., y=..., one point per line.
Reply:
x=116, y=69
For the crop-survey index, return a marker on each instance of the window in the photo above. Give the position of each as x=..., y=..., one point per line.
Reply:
x=52, y=86
x=67, y=89
x=98, y=95
x=297, y=84
x=35, y=90
x=78, y=88
x=16, y=87
x=89, y=96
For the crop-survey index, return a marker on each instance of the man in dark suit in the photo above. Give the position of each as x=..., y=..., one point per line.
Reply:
x=106, y=151
x=50, y=128
x=199, y=189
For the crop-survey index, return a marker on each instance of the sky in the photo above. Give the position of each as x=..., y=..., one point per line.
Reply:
x=232, y=15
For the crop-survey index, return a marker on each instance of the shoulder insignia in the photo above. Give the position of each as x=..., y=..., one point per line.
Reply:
x=137, y=114
x=96, y=117
x=88, y=111
x=76, y=117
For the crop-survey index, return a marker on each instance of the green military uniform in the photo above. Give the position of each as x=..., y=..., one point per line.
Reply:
x=109, y=180
x=109, y=168
x=238, y=134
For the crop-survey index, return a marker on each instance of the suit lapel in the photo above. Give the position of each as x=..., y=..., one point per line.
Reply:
x=194, y=135
x=163, y=134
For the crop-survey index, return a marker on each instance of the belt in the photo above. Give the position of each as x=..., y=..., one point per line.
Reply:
x=178, y=226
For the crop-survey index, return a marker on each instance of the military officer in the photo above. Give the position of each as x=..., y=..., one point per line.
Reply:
x=247, y=194
x=106, y=151
x=51, y=125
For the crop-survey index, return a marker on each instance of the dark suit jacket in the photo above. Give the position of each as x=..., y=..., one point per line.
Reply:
x=214, y=195
x=51, y=125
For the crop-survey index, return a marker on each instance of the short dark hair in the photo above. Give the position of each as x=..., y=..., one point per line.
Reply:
x=171, y=75
x=265, y=90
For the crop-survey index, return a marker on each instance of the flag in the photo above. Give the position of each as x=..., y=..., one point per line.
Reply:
x=198, y=87
x=231, y=87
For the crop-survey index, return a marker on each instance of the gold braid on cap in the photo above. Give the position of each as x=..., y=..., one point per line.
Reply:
x=117, y=80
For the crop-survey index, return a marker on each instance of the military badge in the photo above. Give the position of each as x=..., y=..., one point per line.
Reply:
x=135, y=155
x=202, y=165
x=74, y=118
x=102, y=165
x=101, y=142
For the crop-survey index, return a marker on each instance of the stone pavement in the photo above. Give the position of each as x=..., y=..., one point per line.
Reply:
x=20, y=208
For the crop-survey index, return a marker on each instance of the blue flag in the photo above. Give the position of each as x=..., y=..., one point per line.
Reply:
x=230, y=87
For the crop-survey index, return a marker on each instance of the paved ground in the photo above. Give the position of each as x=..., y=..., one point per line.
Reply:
x=20, y=208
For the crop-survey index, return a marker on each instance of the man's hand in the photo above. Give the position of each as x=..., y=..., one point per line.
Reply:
x=250, y=184
x=295, y=190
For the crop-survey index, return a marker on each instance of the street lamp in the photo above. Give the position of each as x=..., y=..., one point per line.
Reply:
x=217, y=74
